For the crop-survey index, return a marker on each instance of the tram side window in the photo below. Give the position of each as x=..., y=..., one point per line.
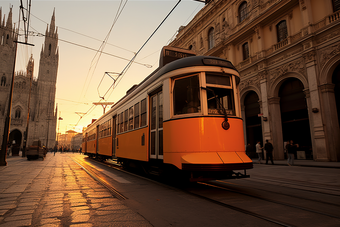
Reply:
x=131, y=118
x=118, y=123
x=92, y=135
x=121, y=123
x=187, y=95
x=143, y=112
x=126, y=117
x=137, y=115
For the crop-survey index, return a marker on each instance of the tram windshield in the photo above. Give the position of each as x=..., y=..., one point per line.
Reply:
x=219, y=94
x=187, y=95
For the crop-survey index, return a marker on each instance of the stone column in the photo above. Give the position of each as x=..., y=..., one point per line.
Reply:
x=275, y=124
x=331, y=123
x=243, y=113
x=313, y=103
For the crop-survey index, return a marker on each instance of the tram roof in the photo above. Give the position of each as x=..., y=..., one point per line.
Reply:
x=183, y=63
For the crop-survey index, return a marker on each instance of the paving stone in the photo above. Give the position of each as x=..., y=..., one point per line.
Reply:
x=20, y=217
x=25, y=222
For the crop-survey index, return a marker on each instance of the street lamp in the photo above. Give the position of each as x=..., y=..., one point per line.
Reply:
x=59, y=119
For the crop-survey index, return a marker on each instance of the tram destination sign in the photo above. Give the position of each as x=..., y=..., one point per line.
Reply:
x=217, y=62
x=170, y=54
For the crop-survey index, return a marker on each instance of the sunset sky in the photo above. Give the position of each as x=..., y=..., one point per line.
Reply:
x=82, y=28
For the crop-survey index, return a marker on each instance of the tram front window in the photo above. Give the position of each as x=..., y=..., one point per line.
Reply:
x=219, y=94
x=187, y=95
x=219, y=98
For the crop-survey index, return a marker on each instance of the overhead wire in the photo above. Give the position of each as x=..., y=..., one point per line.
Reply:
x=95, y=61
x=90, y=37
x=119, y=11
x=134, y=57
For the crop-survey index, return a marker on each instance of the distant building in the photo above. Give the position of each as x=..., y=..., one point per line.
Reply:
x=43, y=115
x=65, y=140
x=288, y=55
x=76, y=141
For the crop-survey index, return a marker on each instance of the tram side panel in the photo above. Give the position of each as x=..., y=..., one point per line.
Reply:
x=133, y=145
x=91, y=147
x=202, y=140
x=105, y=146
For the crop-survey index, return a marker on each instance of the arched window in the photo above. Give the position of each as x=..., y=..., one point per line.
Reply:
x=245, y=51
x=211, y=38
x=3, y=81
x=282, y=32
x=17, y=114
x=243, y=11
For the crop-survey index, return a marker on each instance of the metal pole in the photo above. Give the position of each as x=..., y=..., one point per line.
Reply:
x=3, y=153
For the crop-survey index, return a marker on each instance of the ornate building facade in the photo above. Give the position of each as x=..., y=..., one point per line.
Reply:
x=38, y=93
x=288, y=56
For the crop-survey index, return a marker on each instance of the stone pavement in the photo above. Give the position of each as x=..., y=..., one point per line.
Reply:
x=57, y=192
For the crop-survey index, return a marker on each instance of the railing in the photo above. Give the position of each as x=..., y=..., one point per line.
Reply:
x=281, y=44
x=334, y=17
x=292, y=39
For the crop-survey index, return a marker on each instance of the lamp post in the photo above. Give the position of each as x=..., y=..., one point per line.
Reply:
x=59, y=119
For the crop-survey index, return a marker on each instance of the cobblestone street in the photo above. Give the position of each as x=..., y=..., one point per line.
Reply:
x=57, y=192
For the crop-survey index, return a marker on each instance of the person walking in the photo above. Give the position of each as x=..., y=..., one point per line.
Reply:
x=291, y=151
x=269, y=151
x=259, y=151
x=248, y=149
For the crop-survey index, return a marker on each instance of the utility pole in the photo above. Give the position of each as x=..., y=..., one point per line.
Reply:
x=3, y=152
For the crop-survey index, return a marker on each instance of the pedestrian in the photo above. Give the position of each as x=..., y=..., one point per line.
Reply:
x=269, y=151
x=259, y=151
x=248, y=149
x=291, y=151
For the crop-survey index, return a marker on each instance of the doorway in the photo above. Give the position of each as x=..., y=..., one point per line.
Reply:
x=15, y=138
x=253, y=121
x=294, y=115
x=336, y=81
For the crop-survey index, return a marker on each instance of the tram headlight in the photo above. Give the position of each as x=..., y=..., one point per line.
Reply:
x=225, y=125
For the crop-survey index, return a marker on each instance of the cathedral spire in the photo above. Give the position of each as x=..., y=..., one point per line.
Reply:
x=9, y=20
x=0, y=16
x=52, y=25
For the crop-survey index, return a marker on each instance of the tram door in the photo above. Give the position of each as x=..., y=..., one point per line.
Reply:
x=114, y=136
x=156, y=126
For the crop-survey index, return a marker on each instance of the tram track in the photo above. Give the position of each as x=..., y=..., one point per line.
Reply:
x=220, y=186
x=273, y=201
x=252, y=213
x=301, y=185
x=103, y=182
x=290, y=195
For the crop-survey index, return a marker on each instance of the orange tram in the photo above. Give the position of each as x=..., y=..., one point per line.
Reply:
x=184, y=117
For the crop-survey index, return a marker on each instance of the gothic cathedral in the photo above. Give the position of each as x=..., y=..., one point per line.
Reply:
x=38, y=93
